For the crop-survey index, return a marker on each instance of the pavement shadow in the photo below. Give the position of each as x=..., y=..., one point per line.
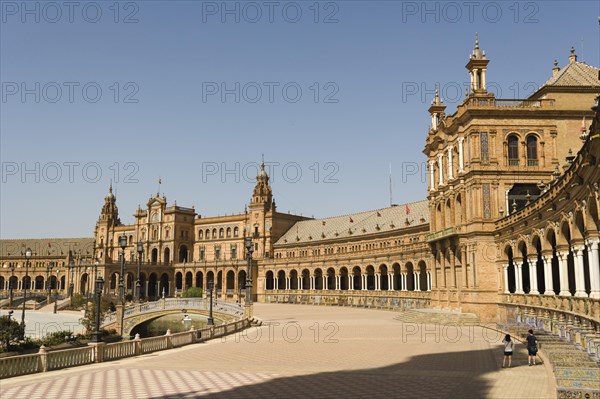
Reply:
x=441, y=375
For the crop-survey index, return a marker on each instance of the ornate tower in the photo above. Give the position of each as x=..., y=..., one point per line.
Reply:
x=261, y=210
x=477, y=67
x=108, y=220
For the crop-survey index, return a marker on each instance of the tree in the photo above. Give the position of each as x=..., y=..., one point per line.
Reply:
x=9, y=331
x=192, y=292
x=105, y=306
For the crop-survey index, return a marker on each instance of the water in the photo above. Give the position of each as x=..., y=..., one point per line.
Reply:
x=173, y=322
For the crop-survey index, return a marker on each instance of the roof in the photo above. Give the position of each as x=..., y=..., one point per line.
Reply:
x=357, y=224
x=575, y=74
x=47, y=246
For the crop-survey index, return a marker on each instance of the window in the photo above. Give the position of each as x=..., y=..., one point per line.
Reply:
x=532, y=158
x=513, y=150
x=217, y=252
x=200, y=234
x=202, y=253
x=221, y=233
x=207, y=234
x=214, y=233
x=236, y=231
x=228, y=232
x=234, y=251
x=167, y=233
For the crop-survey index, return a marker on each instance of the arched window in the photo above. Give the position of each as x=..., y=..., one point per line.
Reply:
x=214, y=233
x=513, y=150
x=200, y=234
x=532, y=158
x=221, y=233
x=236, y=231
x=228, y=232
x=207, y=234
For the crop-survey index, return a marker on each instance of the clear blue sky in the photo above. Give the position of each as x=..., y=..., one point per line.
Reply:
x=366, y=70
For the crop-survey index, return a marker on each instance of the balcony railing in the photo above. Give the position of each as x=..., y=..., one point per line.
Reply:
x=508, y=103
x=438, y=235
x=513, y=162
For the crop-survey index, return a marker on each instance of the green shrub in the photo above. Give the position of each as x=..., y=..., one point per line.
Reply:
x=9, y=332
x=192, y=292
x=56, y=338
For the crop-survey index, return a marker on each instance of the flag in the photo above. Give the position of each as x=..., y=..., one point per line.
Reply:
x=407, y=210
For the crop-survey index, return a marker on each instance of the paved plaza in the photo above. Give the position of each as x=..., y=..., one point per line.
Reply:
x=304, y=351
x=39, y=323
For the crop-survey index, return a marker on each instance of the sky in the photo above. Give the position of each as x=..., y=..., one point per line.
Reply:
x=334, y=94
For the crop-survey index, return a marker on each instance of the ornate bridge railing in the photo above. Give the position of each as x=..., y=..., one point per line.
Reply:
x=233, y=309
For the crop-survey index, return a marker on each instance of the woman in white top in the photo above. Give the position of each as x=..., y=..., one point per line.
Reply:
x=508, y=350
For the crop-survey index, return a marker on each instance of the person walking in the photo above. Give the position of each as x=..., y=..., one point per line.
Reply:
x=508, y=350
x=531, y=347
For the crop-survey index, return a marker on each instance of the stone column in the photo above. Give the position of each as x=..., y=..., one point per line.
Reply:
x=417, y=281
x=533, y=277
x=563, y=273
x=452, y=268
x=594, y=263
x=350, y=282
x=390, y=281
x=443, y=269
x=461, y=159
x=404, y=282
x=579, y=275
x=325, y=284
x=518, y=276
x=441, y=168
x=428, y=281
x=364, y=282
x=377, y=282
x=463, y=266
x=506, y=289
x=450, y=171
x=548, y=274
x=312, y=283
x=431, y=175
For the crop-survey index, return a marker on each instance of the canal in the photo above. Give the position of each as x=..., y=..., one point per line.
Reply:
x=174, y=322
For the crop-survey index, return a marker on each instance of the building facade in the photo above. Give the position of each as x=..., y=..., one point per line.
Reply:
x=511, y=214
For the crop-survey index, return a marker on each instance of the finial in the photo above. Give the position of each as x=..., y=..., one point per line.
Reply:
x=110, y=187
x=555, y=64
x=476, y=40
x=573, y=56
x=466, y=92
x=572, y=50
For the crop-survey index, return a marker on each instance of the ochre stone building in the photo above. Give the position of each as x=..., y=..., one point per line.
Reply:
x=511, y=214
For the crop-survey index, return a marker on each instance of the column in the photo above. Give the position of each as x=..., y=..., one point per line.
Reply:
x=594, y=262
x=275, y=283
x=463, y=266
x=428, y=281
x=452, y=268
x=443, y=267
x=325, y=284
x=417, y=281
x=390, y=281
x=483, y=78
x=506, y=290
x=450, y=171
x=404, y=282
x=441, y=168
x=434, y=277
x=533, y=276
x=548, y=274
x=350, y=282
x=518, y=276
x=287, y=283
x=461, y=158
x=377, y=282
x=563, y=273
x=431, y=175
x=312, y=283
x=579, y=276
x=363, y=280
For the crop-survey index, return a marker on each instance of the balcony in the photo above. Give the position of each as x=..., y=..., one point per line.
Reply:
x=438, y=235
x=508, y=103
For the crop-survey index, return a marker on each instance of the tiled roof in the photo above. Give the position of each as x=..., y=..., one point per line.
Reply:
x=45, y=246
x=357, y=224
x=575, y=74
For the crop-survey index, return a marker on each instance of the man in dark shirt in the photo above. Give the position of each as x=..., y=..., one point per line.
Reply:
x=531, y=347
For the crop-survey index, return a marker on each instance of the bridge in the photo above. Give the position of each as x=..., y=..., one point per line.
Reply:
x=139, y=313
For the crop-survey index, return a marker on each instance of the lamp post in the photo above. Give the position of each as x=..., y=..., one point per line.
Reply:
x=210, y=321
x=249, y=250
x=48, y=285
x=72, y=279
x=27, y=256
x=10, y=283
x=122, y=244
x=138, y=283
x=96, y=334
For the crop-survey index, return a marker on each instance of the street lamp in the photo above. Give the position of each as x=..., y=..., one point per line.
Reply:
x=210, y=322
x=96, y=333
x=72, y=280
x=122, y=244
x=249, y=250
x=138, y=283
x=48, y=285
x=10, y=283
x=27, y=256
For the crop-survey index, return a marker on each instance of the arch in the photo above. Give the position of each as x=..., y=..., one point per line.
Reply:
x=331, y=278
x=228, y=233
x=153, y=286
x=230, y=281
x=53, y=282
x=236, y=231
x=113, y=281
x=189, y=277
x=178, y=281
x=370, y=274
x=207, y=234
x=293, y=279
x=214, y=234
x=62, y=282
x=200, y=234
x=199, y=279
x=357, y=283
x=397, y=276
x=525, y=276
x=410, y=276
x=83, y=283
x=221, y=233
x=318, y=278
x=242, y=279
x=143, y=282
x=305, y=279
x=532, y=149
x=459, y=213
x=423, y=280
x=219, y=281
x=438, y=217
x=39, y=283
x=383, y=275
x=513, y=149
x=183, y=253
x=448, y=213
x=536, y=258
x=164, y=285
x=210, y=277
x=167, y=256
x=269, y=280
x=344, y=278
x=154, y=258
x=281, y=280
x=592, y=224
